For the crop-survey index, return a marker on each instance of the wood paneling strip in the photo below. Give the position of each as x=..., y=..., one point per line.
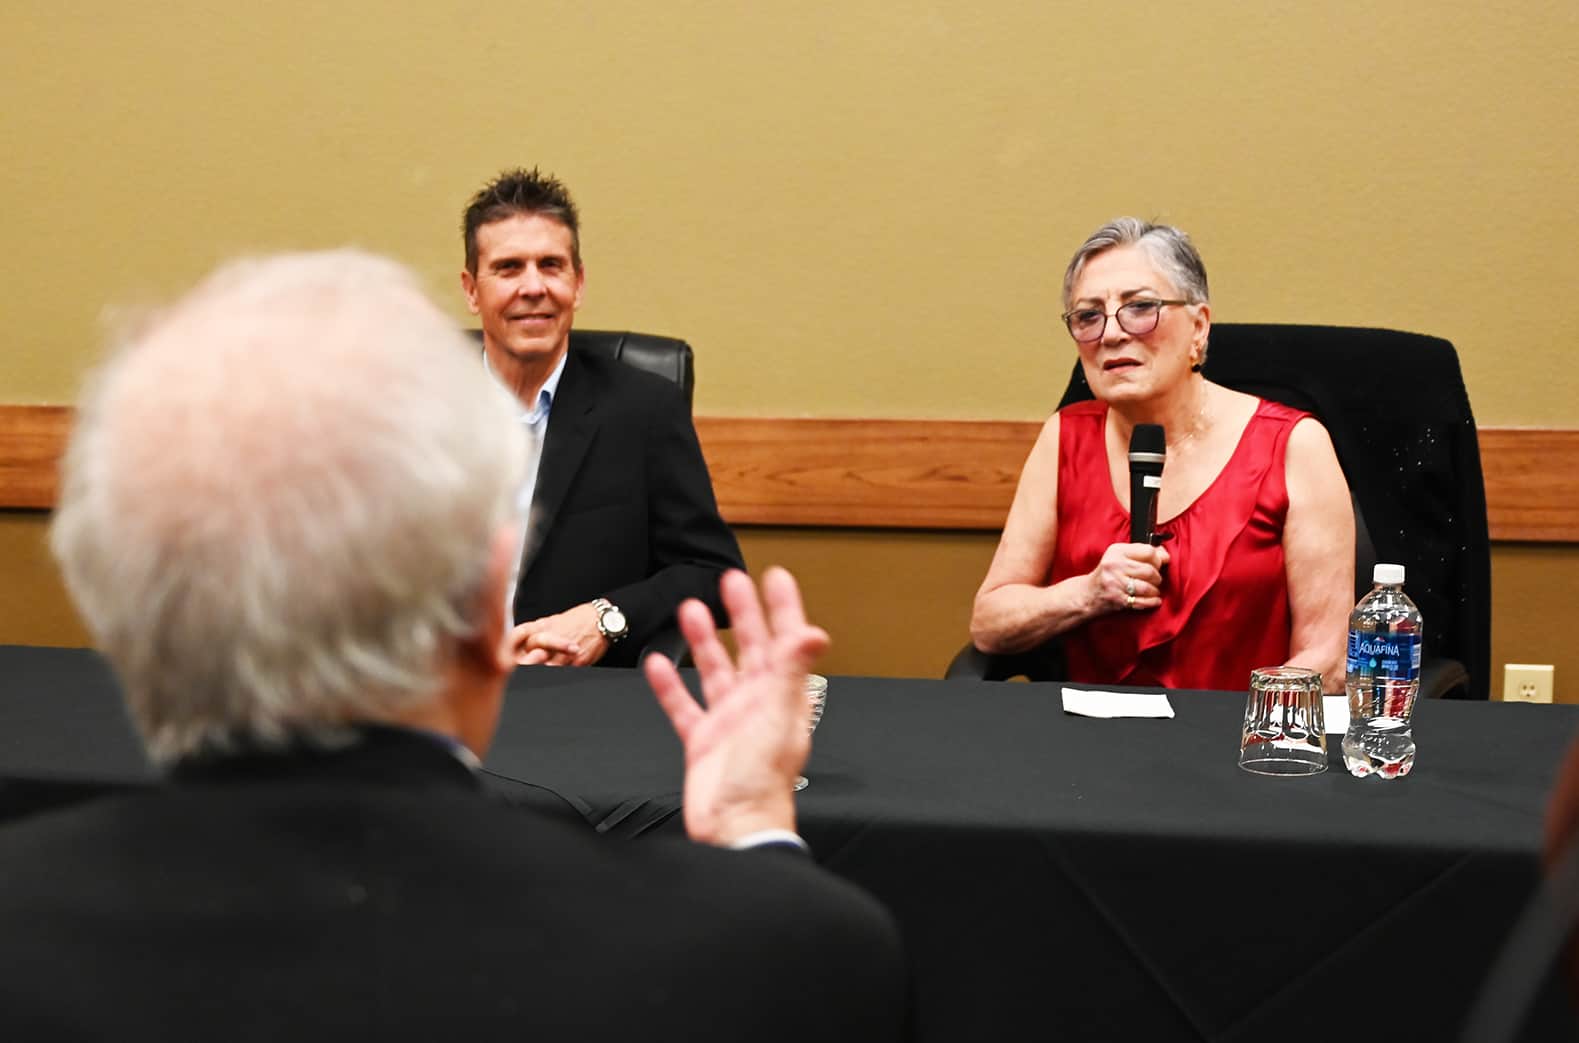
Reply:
x=31, y=441
x=938, y=474
x=907, y=474
x=1532, y=483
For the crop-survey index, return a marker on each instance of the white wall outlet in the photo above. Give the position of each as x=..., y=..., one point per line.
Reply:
x=1524, y=683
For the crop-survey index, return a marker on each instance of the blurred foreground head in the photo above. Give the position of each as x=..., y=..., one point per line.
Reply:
x=1562, y=853
x=281, y=501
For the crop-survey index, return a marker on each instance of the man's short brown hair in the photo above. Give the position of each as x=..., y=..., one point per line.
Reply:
x=521, y=191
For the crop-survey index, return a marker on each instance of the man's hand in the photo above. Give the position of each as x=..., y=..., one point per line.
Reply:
x=743, y=751
x=571, y=638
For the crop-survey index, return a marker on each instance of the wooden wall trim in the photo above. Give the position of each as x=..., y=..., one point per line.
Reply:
x=905, y=474
x=1532, y=483
x=32, y=439
x=908, y=474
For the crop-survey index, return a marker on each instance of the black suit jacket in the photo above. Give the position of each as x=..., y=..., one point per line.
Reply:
x=374, y=893
x=623, y=507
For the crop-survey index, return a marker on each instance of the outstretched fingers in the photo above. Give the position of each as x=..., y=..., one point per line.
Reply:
x=752, y=636
x=782, y=595
x=787, y=619
x=712, y=660
x=664, y=679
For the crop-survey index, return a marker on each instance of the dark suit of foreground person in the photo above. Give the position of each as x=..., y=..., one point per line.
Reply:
x=624, y=522
x=290, y=515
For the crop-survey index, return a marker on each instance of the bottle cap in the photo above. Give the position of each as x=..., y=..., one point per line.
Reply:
x=1390, y=574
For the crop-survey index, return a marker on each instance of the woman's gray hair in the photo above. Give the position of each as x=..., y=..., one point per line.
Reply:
x=279, y=502
x=1169, y=248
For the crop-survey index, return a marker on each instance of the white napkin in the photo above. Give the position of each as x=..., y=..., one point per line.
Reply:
x=1116, y=704
x=1335, y=713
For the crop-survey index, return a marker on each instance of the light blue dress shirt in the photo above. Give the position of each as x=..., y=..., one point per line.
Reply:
x=535, y=419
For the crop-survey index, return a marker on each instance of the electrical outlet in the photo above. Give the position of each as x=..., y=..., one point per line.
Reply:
x=1524, y=683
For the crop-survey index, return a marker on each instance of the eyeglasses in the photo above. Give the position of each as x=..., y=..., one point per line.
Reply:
x=1137, y=318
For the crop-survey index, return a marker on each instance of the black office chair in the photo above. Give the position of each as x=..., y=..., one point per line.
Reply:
x=1400, y=420
x=671, y=358
x=668, y=357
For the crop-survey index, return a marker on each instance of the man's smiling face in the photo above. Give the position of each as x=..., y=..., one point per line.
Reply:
x=526, y=288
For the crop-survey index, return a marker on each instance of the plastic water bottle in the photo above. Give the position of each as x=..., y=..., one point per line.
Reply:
x=1383, y=679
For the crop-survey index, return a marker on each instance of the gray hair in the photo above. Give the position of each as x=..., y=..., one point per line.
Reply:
x=279, y=500
x=1169, y=249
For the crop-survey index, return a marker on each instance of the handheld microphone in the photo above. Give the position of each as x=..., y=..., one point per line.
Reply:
x=1147, y=448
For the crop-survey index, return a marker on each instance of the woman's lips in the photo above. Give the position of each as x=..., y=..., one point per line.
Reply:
x=1112, y=364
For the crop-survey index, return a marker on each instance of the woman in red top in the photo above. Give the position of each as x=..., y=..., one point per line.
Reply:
x=1258, y=567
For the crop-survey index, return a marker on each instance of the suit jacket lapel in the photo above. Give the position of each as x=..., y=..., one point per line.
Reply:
x=572, y=420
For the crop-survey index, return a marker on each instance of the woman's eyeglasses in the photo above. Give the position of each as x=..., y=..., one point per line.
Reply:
x=1137, y=318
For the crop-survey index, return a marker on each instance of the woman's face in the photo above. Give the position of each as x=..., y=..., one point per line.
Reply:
x=1124, y=367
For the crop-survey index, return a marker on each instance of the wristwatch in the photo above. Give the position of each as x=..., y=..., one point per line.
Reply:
x=611, y=621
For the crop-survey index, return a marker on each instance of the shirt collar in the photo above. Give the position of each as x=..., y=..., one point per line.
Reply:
x=545, y=396
x=453, y=746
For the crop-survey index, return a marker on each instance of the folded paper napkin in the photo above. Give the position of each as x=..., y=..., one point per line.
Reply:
x=1335, y=713
x=1116, y=704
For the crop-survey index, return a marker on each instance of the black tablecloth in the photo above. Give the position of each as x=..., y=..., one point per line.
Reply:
x=1056, y=877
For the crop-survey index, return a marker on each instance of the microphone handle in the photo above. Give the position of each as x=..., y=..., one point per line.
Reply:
x=1142, y=508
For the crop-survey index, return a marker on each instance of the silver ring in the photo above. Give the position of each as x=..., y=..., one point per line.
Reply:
x=1129, y=601
x=1129, y=588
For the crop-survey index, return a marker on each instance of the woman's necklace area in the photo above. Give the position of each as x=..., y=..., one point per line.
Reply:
x=1199, y=425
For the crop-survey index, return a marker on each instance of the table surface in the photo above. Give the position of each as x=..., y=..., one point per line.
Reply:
x=1055, y=876
x=950, y=754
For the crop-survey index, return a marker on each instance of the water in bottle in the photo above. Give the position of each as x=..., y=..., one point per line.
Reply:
x=1383, y=679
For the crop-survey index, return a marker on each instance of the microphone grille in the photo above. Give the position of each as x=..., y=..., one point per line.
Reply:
x=1148, y=438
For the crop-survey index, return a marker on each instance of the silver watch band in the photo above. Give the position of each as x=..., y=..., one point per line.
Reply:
x=605, y=608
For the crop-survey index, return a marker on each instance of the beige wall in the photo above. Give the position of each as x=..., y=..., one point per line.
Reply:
x=882, y=191
x=851, y=208
x=33, y=605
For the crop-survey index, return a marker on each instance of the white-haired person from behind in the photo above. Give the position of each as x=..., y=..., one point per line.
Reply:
x=290, y=517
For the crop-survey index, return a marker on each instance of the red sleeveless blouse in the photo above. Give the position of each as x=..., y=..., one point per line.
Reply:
x=1224, y=605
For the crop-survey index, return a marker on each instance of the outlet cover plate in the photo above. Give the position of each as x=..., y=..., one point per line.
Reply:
x=1527, y=683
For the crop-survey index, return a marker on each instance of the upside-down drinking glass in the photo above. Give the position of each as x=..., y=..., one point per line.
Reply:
x=1284, y=733
x=817, y=695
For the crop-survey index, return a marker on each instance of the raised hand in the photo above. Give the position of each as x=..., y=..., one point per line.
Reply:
x=744, y=749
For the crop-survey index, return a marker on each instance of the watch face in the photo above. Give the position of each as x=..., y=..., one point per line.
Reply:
x=614, y=622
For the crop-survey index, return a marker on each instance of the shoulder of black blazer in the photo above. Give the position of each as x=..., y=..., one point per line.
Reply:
x=592, y=380
x=595, y=391
x=257, y=846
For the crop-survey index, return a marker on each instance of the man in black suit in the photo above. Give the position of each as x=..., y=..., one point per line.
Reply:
x=625, y=526
x=290, y=514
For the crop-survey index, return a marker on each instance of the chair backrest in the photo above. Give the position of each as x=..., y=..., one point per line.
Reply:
x=669, y=357
x=1396, y=408
x=666, y=356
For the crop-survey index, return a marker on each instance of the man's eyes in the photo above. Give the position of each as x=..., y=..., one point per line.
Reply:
x=553, y=265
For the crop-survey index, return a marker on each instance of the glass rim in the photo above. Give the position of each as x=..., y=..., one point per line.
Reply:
x=1285, y=673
